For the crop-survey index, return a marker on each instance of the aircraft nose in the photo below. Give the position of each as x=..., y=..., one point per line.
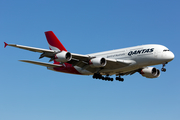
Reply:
x=170, y=56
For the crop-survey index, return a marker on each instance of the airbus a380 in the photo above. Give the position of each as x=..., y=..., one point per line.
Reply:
x=102, y=65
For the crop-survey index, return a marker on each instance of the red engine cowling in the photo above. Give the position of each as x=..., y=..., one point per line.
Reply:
x=98, y=62
x=150, y=72
x=63, y=56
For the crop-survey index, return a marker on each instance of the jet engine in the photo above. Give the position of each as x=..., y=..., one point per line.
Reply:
x=150, y=72
x=98, y=62
x=63, y=56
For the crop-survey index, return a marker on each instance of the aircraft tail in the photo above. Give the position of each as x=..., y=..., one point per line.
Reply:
x=53, y=41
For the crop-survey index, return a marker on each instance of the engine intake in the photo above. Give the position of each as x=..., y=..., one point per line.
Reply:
x=63, y=56
x=150, y=72
x=98, y=62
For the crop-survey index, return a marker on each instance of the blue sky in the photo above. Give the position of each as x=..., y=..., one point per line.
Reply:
x=30, y=92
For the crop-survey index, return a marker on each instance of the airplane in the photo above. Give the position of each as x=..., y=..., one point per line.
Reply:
x=102, y=65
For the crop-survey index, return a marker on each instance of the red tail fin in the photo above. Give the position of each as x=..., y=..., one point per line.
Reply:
x=54, y=43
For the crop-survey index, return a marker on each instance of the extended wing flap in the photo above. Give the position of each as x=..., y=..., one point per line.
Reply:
x=81, y=57
x=41, y=63
x=117, y=63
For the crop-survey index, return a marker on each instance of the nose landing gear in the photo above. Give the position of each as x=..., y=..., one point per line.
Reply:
x=164, y=69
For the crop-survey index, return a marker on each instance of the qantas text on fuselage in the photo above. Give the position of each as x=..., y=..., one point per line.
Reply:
x=102, y=65
x=141, y=51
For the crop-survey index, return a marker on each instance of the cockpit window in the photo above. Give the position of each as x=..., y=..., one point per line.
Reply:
x=165, y=50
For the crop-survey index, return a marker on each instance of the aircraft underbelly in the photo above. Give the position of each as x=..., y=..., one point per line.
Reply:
x=108, y=71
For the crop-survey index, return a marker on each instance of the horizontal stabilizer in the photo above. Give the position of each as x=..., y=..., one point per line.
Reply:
x=41, y=63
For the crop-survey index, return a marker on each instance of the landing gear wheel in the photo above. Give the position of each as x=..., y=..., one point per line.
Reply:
x=99, y=76
x=120, y=79
x=163, y=69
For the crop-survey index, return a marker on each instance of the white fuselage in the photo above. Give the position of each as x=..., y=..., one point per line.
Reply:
x=119, y=62
x=142, y=56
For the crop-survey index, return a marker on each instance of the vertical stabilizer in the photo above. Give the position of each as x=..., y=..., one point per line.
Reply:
x=53, y=41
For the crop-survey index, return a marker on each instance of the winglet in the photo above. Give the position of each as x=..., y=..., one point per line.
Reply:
x=5, y=44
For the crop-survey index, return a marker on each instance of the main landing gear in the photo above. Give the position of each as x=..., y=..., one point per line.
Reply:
x=119, y=78
x=107, y=78
x=164, y=69
x=99, y=76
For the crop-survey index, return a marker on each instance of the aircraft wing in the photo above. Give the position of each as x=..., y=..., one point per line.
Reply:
x=77, y=59
x=41, y=63
x=83, y=62
x=117, y=63
x=33, y=49
x=45, y=52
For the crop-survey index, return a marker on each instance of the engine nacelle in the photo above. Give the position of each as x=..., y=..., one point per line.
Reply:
x=150, y=72
x=98, y=62
x=63, y=56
